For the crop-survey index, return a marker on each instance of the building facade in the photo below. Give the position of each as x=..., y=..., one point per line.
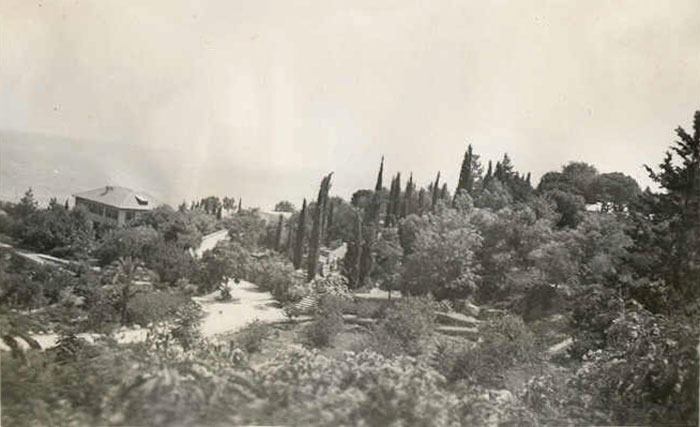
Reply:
x=114, y=205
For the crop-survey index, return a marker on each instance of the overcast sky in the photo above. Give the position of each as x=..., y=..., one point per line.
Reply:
x=261, y=98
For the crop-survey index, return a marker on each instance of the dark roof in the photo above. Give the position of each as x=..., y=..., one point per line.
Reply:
x=120, y=197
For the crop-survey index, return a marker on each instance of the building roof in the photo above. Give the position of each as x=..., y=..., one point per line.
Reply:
x=120, y=197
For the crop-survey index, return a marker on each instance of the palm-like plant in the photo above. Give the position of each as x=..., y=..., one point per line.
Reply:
x=125, y=274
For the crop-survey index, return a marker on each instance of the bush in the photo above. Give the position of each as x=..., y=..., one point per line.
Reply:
x=150, y=307
x=406, y=327
x=506, y=342
x=251, y=336
x=647, y=373
x=328, y=321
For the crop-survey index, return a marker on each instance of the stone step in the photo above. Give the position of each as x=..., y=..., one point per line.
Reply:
x=459, y=331
x=456, y=319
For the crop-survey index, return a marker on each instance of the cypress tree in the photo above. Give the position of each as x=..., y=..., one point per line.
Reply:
x=444, y=192
x=67, y=206
x=396, y=212
x=329, y=222
x=353, y=257
x=378, y=185
x=278, y=233
x=466, y=177
x=421, y=201
x=240, y=204
x=290, y=247
x=317, y=229
x=299, y=243
x=436, y=190
x=389, y=218
x=407, y=207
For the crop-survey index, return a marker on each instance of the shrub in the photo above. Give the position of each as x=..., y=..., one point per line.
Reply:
x=506, y=342
x=328, y=321
x=149, y=307
x=647, y=373
x=252, y=335
x=406, y=327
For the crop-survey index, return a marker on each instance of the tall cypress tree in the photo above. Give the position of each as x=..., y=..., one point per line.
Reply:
x=378, y=185
x=317, y=229
x=240, y=204
x=278, y=233
x=444, y=192
x=396, y=213
x=466, y=178
x=407, y=207
x=290, y=231
x=353, y=256
x=301, y=232
x=436, y=190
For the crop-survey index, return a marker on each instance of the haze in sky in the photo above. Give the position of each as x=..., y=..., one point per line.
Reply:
x=259, y=99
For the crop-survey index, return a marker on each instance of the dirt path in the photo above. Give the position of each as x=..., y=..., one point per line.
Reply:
x=248, y=303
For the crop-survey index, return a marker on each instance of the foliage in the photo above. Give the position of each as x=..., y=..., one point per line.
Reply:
x=135, y=242
x=284, y=206
x=252, y=335
x=245, y=228
x=276, y=275
x=647, y=372
x=406, y=327
x=328, y=321
x=443, y=259
x=54, y=230
x=505, y=342
x=152, y=307
x=228, y=260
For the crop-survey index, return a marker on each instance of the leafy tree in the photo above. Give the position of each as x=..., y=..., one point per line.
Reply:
x=443, y=259
x=284, y=206
x=246, y=227
x=615, y=191
x=132, y=242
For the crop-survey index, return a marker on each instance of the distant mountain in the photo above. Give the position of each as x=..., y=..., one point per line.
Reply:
x=56, y=166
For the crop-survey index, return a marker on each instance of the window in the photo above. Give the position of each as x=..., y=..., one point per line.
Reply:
x=112, y=213
x=130, y=215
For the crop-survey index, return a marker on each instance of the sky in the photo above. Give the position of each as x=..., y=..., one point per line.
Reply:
x=260, y=99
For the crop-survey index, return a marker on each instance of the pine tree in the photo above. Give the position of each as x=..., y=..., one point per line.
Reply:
x=299, y=242
x=317, y=228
